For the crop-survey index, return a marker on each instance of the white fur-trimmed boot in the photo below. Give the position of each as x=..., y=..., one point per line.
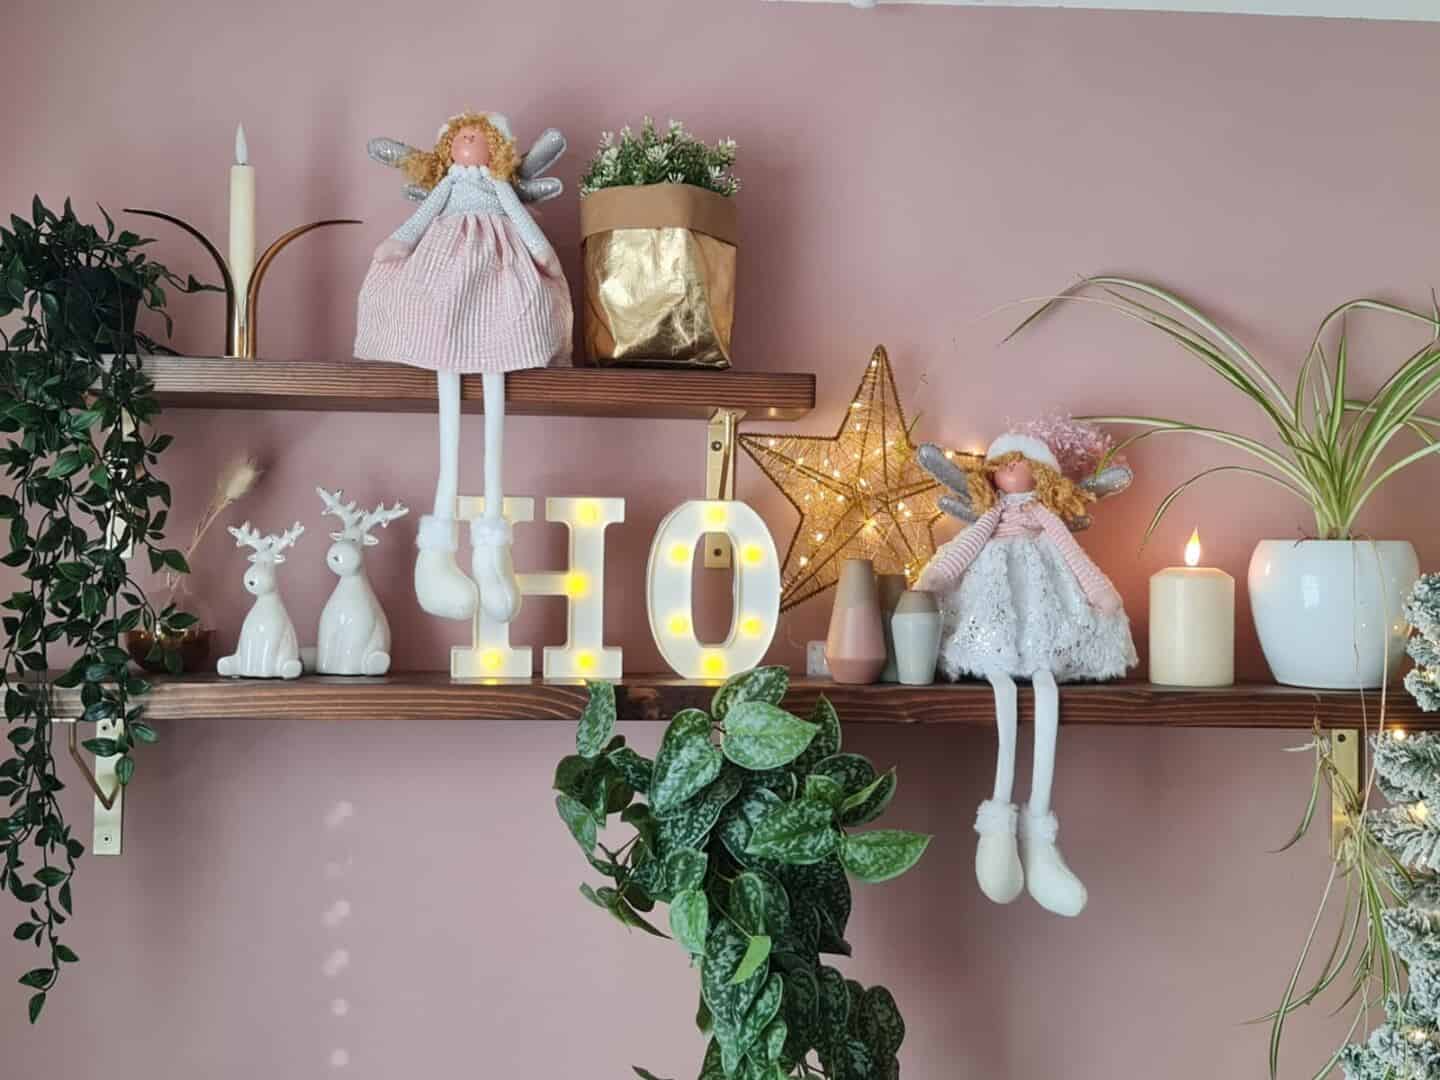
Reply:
x=493, y=568
x=997, y=862
x=440, y=585
x=1051, y=882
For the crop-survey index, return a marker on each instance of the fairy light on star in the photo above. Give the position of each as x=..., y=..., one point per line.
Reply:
x=881, y=506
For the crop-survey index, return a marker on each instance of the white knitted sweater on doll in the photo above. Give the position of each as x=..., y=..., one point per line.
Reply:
x=470, y=189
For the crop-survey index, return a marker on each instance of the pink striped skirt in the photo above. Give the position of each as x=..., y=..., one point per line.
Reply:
x=470, y=297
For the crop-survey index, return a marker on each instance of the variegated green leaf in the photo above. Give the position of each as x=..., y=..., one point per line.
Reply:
x=690, y=920
x=739, y=820
x=725, y=948
x=759, y=904
x=833, y=1004
x=685, y=868
x=636, y=770
x=711, y=1068
x=822, y=887
x=687, y=761
x=798, y=833
x=645, y=1074
x=579, y=819
x=848, y=1059
x=882, y=854
x=870, y=802
x=881, y=1025
x=757, y=952
x=759, y=735
x=772, y=1039
x=597, y=722
x=571, y=774
x=688, y=824
x=768, y=684
x=827, y=739
x=857, y=995
x=824, y=789
x=851, y=771
x=590, y=894
x=704, y=1021
x=761, y=1013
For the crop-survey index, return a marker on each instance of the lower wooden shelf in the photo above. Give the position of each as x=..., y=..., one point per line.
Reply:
x=434, y=696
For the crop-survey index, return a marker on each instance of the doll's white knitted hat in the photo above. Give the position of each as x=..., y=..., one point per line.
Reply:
x=1034, y=449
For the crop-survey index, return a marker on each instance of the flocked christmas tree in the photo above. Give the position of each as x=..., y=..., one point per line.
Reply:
x=1423, y=612
x=1407, y=771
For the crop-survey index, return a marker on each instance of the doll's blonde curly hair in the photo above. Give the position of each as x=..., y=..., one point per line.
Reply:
x=428, y=169
x=1053, y=491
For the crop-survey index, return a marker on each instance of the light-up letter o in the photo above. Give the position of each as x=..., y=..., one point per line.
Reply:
x=756, y=611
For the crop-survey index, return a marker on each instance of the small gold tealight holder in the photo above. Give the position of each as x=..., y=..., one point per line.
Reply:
x=241, y=314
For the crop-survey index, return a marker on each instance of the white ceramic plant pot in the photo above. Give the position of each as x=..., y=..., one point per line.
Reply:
x=1328, y=611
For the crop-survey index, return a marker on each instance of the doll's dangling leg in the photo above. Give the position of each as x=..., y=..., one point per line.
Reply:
x=440, y=585
x=997, y=861
x=1051, y=882
x=490, y=535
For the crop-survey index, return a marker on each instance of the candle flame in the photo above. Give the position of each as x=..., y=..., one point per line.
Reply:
x=1192, y=549
x=242, y=148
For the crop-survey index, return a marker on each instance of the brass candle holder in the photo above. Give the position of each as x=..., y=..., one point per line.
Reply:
x=242, y=313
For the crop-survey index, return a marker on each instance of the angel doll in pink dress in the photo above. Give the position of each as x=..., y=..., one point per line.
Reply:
x=468, y=284
x=1020, y=599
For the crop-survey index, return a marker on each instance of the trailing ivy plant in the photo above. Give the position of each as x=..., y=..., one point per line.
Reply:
x=745, y=830
x=79, y=496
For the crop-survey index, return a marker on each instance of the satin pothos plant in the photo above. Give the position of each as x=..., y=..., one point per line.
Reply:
x=744, y=824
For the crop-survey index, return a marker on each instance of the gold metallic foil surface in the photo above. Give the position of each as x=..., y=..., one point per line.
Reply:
x=659, y=276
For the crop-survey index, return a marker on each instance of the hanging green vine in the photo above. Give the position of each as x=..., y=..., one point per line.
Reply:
x=76, y=407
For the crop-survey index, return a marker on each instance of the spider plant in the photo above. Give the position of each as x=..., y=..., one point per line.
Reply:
x=1329, y=448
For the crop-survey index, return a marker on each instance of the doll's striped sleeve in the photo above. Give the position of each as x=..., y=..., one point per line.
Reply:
x=1092, y=579
x=954, y=558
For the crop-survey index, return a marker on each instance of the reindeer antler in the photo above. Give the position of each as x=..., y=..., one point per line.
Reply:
x=382, y=517
x=348, y=514
x=357, y=525
x=268, y=547
x=287, y=539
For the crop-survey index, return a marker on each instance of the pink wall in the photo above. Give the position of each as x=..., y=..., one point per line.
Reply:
x=909, y=171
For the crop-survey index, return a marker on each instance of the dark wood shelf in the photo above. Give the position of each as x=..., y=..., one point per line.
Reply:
x=188, y=382
x=434, y=696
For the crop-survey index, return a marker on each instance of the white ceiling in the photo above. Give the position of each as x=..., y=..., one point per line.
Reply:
x=1408, y=10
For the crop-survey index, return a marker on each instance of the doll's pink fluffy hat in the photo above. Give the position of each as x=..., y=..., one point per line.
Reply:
x=1033, y=448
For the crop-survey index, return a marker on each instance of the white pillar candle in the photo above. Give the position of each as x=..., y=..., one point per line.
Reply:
x=1192, y=624
x=242, y=218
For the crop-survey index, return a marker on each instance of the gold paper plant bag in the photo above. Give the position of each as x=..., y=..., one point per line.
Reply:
x=659, y=276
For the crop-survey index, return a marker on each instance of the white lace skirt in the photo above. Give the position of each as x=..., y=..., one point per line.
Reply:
x=1019, y=610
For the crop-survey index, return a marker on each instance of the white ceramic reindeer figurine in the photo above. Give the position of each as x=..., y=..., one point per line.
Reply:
x=354, y=633
x=269, y=648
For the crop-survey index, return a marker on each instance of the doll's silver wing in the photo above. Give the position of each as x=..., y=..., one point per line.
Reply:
x=957, y=504
x=1109, y=481
x=532, y=185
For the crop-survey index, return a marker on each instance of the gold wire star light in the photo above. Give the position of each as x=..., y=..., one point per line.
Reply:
x=860, y=494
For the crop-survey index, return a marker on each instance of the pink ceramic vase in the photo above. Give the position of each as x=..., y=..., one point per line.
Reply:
x=855, y=645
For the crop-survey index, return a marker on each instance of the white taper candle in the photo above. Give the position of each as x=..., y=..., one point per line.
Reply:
x=242, y=217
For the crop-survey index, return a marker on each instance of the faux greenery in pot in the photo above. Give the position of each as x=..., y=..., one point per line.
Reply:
x=746, y=830
x=658, y=223
x=1333, y=448
x=80, y=497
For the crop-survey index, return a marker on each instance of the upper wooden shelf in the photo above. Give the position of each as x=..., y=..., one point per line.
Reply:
x=434, y=696
x=194, y=382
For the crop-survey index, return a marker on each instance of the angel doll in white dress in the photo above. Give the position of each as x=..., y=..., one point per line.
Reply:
x=1021, y=600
